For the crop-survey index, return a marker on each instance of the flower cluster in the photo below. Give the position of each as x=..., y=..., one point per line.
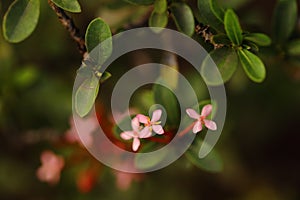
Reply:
x=143, y=126
x=145, y=130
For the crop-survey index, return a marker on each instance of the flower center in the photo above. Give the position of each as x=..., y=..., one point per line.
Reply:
x=201, y=119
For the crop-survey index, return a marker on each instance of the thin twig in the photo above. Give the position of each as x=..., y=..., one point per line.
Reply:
x=68, y=23
x=186, y=130
x=204, y=31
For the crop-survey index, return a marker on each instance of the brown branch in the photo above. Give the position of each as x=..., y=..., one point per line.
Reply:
x=205, y=33
x=68, y=23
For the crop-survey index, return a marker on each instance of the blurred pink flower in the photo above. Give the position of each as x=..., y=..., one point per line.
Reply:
x=136, y=134
x=51, y=167
x=201, y=119
x=85, y=126
x=152, y=124
x=124, y=180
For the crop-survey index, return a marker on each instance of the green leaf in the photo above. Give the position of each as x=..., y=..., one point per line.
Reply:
x=232, y=27
x=216, y=10
x=160, y=6
x=68, y=5
x=251, y=46
x=258, y=38
x=183, y=17
x=211, y=14
x=226, y=60
x=20, y=20
x=143, y=101
x=211, y=163
x=105, y=76
x=168, y=100
x=158, y=19
x=293, y=48
x=85, y=95
x=221, y=39
x=143, y=162
x=140, y=2
x=252, y=65
x=98, y=32
x=284, y=20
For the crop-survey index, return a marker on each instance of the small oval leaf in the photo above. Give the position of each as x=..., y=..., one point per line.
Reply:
x=293, y=48
x=98, y=32
x=258, y=38
x=251, y=46
x=252, y=65
x=183, y=17
x=140, y=2
x=144, y=162
x=85, y=95
x=210, y=14
x=221, y=39
x=284, y=20
x=233, y=27
x=68, y=5
x=211, y=163
x=158, y=20
x=216, y=10
x=20, y=20
x=226, y=60
x=160, y=6
x=105, y=76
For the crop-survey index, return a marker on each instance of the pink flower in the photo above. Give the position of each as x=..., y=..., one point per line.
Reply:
x=85, y=126
x=51, y=167
x=201, y=119
x=136, y=134
x=152, y=124
x=124, y=180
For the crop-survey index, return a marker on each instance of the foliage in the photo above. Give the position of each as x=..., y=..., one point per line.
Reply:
x=29, y=96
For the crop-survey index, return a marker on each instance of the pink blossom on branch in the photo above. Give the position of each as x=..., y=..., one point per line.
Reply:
x=51, y=167
x=153, y=124
x=135, y=134
x=202, y=119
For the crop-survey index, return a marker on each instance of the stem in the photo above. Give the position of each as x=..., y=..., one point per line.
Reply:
x=207, y=35
x=186, y=130
x=68, y=23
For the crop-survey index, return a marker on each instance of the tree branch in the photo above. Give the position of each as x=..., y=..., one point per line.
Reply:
x=68, y=23
x=207, y=35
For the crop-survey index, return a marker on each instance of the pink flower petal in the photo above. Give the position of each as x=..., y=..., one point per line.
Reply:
x=135, y=124
x=124, y=180
x=156, y=115
x=158, y=129
x=51, y=167
x=206, y=110
x=192, y=113
x=46, y=156
x=127, y=135
x=197, y=127
x=136, y=143
x=142, y=118
x=145, y=133
x=210, y=124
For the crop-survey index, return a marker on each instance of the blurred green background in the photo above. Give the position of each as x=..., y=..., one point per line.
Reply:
x=259, y=144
